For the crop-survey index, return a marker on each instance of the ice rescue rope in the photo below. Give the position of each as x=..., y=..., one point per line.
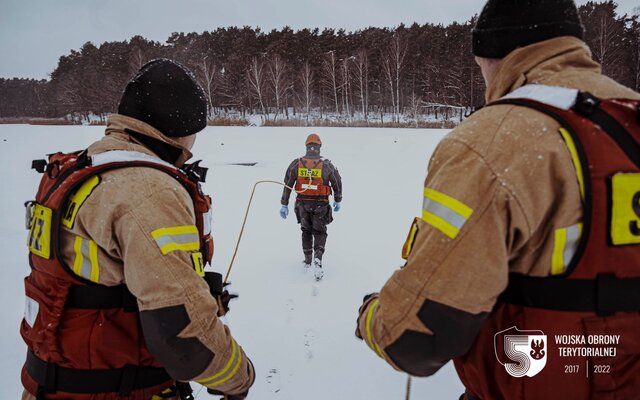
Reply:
x=244, y=222
x=246, y=215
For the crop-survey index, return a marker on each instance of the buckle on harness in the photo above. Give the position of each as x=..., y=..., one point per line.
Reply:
x=28, y=214
x=195, y=172
x=586, y=103
x=39, y=165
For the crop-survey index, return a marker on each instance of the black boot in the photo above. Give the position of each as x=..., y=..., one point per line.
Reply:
x=308, y=254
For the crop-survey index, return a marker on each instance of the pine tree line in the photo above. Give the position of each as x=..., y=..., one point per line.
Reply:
x=400, y=73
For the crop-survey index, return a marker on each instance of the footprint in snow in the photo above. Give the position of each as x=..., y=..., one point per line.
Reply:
x=274, y=381
x=309, y=338
x=290, y=308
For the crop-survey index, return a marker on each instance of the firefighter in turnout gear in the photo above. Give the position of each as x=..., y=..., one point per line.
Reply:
x=118, y=304
x=530, y=223
x=314, y=179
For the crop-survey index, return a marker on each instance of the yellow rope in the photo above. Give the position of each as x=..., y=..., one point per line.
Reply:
x=246, y=214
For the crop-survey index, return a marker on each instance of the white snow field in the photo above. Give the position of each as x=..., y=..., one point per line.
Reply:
x=299, y=333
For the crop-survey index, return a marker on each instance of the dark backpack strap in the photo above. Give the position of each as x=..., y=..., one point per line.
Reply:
x=604, y=295
x=101, y=297
x=53, y=378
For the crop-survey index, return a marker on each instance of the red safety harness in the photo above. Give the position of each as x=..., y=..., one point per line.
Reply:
x=84, y=339
x=599, y=291
x=310, y=182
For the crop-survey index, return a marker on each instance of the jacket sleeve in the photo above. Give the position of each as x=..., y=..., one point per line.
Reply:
x=157, y=243
x=289, y=179
x=336, y=181
x=432, y=309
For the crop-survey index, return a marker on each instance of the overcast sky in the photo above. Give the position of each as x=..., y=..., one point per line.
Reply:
x=35, y=33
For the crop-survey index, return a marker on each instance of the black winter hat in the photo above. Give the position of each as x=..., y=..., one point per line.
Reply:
x=165, y=95
x=504, y=25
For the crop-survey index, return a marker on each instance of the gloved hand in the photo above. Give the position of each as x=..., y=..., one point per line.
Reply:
x=228, y=396
x=219, y=292
x=336, y=206
x=284, y=211
x=365, y=302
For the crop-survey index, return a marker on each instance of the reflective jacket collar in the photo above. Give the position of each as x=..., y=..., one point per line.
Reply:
x=533, y=63
x=117, y=123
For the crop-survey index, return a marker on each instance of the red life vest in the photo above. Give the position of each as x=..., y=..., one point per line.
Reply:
x=310, y=182
x=85, y=340
x=597, y=294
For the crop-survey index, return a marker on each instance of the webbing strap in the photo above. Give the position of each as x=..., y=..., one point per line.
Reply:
x=53, y=378
x=588, y=106
x=101, y=297
x=604, y=295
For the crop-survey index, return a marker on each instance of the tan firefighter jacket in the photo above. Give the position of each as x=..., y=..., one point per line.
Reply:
x=118, y=218
x=509, y=177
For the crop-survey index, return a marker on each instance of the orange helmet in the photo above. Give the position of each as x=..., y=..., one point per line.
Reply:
x=313, y=138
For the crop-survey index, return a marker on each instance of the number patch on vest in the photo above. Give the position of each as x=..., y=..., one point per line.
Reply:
x=40, y=231
x=198, y=263
x=310, y=173
x=625, y=212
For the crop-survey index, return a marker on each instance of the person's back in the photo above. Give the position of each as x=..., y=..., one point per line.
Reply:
x=134, y=238
x=314, y=179
x=503, y=197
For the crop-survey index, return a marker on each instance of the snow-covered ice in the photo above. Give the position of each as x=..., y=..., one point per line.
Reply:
x=298, y=332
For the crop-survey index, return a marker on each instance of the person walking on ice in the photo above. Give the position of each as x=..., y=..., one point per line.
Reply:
x=315, y=179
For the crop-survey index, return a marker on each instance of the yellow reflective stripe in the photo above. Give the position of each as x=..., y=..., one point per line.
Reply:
x=85, y=263
x=93, y=256
x=174, y=230
x=185, y=237
x=77, y=199
x=557, y=259
x=444, y=213
x=573, y=150
x=77, y=264
x=408, y=244
x=208, y=380
x=442, y=225
x=191, y=246
x=231, y=374
x=566, y=241
x=448, y=201
x=374, y=346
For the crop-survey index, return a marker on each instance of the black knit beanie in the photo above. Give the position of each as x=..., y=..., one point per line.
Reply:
x=504, y=25
x=165, y=95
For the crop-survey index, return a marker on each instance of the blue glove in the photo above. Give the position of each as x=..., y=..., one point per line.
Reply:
x=336, y=206
x=284, y=212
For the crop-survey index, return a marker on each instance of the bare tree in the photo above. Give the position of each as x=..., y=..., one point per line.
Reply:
x=636, y=32
x=361, y=72
x=608, y=33
x=279, y=81
x=306, y=84
x=256, y=83
x=415, y=103
x=330, y=76
x=392, y=66
x=344, y=68
x=207, y=74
